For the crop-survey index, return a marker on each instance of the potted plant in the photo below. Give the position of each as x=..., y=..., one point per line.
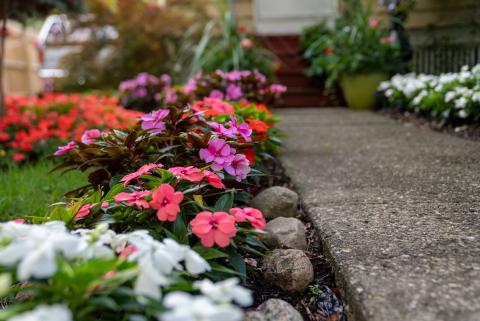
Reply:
x=358, y=54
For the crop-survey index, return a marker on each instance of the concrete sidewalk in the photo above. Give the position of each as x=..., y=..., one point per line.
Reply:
x=397, y=208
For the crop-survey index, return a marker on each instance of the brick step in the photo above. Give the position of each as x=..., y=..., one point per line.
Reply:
x=309, y=97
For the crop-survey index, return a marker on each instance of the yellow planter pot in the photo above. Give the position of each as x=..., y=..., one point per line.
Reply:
x=359, y=90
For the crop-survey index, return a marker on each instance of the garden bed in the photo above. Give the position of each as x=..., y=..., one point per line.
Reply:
x=466, y=131
x=171, y=216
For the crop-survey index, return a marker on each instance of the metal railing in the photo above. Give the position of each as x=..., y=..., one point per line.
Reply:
x=444, y=58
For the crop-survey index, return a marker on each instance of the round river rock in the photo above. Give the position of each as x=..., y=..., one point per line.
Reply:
x=276, y=201
x=290, y=270
x=285, y=232
x=274, y=310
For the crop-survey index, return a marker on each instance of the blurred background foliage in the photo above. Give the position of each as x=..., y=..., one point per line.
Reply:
x=178, y=37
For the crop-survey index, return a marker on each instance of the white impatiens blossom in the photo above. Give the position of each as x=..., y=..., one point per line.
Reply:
x=461, y=103
x=56, y=312
x=183, y=306
x=34, y=247
x=225, y=291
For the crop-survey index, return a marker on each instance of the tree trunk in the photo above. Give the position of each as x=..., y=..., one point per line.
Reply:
x=2, y=57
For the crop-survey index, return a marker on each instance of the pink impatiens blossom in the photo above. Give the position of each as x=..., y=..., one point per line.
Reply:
x=144, y=170
x=65, y=149
x=189, y=173
x=89, y=136
x=153, y=121
x=238, y=167
x=233, y=92
x=252, y=215
x=216, y=94
x=214, y=180
x=243, y=129
x=84, y=211
x=218, y=152
x=137, y=198
x=167, y=202
x=278, y=89
x=214, y=228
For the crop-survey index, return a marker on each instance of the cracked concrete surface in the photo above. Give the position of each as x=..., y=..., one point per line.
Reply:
x=397, y=208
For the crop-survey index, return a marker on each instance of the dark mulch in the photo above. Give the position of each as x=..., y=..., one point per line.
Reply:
x=321, y=301
x=470, y=131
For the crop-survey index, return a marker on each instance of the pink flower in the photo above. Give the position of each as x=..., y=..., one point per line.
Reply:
x=89, y=136
x=239, y=167
x=137, y=198
x=373, y=22
x=153, y=122
x=233, y=92
x=105, y=204
x=277, y=88
x=252, y=215
x=65, y=149
x=127, y=250
x=144, y=170
x=218, y=152
x=214, y=180
x=84, y=211
x=167, y=202
x=19, y=221
x=387, y=40
x=246, y=43
x=216, y=94
x=211, y=228
x=189, y=173
x=243, y=129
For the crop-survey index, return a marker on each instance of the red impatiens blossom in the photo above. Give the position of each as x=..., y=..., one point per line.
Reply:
x=252, y=215
x=144, y=170
x=214, y=180
x=135, y=198
x=167, y=202
x=18, y=157
x=257, y=125
x=214, y=228
x=33, y=121
x=189, y=173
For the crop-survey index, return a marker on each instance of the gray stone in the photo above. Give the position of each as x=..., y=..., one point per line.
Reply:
x=276, y=201
x=254, y=316
x=285, y=232
x=397, y=208
x=278, y=310
x=290, y=270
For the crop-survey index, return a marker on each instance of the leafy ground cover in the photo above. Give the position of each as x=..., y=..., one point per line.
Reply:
x=30, y=189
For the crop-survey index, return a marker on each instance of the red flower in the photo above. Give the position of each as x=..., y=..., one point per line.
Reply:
x=213, y=179
x=328, y=51
x=18, y=157
x=250, y=155
x=257, y=125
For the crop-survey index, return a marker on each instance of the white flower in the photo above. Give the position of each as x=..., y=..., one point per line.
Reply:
x=195, y=264
x=185, y=307
x=389, y=93
x=461, y=103
x=450, y=96
x=462, y=113
x=476, y=97
x=225, y=291
x=56, y=312
x=149, y=280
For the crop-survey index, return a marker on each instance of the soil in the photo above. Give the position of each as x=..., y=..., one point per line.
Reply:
x=321, y=301
x=466, y=131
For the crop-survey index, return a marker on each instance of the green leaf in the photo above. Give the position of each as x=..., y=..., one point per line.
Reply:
x=114, y=191
x=238, y=262
x=209, y=253
x=224, y=203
